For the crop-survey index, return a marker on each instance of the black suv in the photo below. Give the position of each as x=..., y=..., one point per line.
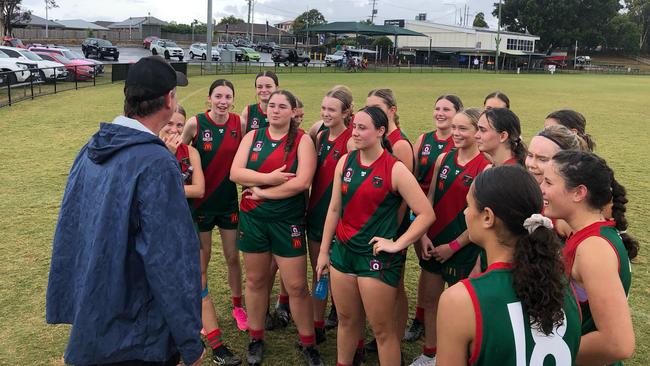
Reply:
x=268, y=47
x=99, y=48
x=288, y=56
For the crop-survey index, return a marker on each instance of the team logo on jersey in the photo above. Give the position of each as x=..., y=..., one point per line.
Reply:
x=363, y=173
x=377, y=181
x=375, y=265
x=336, y=154
x=207, y=136
x=258, y=146
x=274, y=144
x=347, y=177
x=221, y=131
x=233, y=133
x=254, y=156
x=440, y=147
x=444, y=172
x=207, y=146
x=467, y=180
x=426, y=150
x=320, y=150
x=255, y=123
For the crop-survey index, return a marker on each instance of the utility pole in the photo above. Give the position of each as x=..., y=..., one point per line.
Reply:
x=252, y=20
x=250, y=3
x=47, y=19
x=374, y=11
x=496, y=61
x=208, y=38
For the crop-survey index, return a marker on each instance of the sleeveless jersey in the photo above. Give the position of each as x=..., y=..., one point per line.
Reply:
x=430, y=148
x=503, y=331
x=606, y=230
x=183, y=157
x=266, y=155
x=328, y=156
x=256, y=118
x=369, y=206
x=217, y=145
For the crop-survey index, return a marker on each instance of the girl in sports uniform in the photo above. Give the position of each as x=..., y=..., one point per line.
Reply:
x=496, y=100
x=216, y=135
x=319, y=126
x=331, y=144
x=366, y=263
x=428, y=147
x=448, y=255
x=254, y=115
x=508, y=315
x=276, y=164
x=194, y=183
x=577, y=186
x=572, y=120
x=499, y=136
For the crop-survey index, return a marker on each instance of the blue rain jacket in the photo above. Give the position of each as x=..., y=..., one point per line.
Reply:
x=125, y=258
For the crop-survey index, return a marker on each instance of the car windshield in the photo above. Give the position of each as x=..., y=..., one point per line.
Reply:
x=70, y=55
x=339, y=53
x=200, y=45
x=248, y=50
x=3, y=55
x=31, y=55
x=104, y=43
x=170, y=44
x=61, y=59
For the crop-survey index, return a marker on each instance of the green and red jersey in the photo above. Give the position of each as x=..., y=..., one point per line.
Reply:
x=369, y=205
x=430, y=148
x=183, y=157
x=256, y=118
x=606, y=230
x=328, y=154
x=217, y=145
x=266, y=155
x=504, y=335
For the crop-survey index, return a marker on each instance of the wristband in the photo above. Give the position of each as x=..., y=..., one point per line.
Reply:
x=454, y=245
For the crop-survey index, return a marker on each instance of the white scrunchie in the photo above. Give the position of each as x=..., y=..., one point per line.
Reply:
x=537, y=220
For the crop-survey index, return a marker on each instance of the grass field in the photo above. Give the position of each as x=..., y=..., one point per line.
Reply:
x=43, y=136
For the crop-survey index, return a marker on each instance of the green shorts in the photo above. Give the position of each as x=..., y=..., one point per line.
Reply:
x=314, y=230
x=456, y=268
x=386, y=267
x=207, y=222
x=284, y=238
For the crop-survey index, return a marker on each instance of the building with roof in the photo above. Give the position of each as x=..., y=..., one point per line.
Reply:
x=80, y=24
x=36, y=22
x=285, y=26
x=137, y=22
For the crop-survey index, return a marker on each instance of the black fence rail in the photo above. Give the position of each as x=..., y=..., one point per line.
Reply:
x=31, y=83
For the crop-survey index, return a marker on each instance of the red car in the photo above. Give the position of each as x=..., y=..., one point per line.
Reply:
x=79, y=70
x=146, y=43
x=99, y=66
x=12, y=42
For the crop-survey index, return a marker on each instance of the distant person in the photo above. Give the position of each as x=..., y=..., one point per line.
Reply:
x=574, y=121
x=125, y=258
x=496, y=99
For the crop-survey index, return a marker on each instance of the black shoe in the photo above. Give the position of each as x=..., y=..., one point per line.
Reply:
x=371, y=346
x=269, y=324
x=332, y=320
x=414, y=332
x=359, y=357
x=311, y=354
x=223, y=356
x=282, y=315
x=320, y=335
x=255, y=352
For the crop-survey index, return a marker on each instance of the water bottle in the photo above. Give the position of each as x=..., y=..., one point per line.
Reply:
x=322, y=286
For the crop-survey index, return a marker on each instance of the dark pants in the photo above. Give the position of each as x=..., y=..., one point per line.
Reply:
x=173, y=361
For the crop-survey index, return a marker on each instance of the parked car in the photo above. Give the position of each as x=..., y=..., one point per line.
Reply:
x=334, y=58
x=200, y=50
x=267, y=47
x=99, y=48
x=167, y=48
x=288, y=56
x=99, y=66
x=10, y=41
x=239, y=54
x=242, y=42
x=77, y=69
x=16, y=71
x=47, y=70
x=146, y=43
x=249, y=54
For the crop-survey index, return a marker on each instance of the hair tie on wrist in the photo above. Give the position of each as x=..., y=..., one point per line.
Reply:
x=455, y=245
x=537, y=220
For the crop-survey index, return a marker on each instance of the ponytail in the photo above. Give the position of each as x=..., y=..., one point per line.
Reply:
x=537, y=260
x=385, y=143
x=291, y=138
x=618, y=213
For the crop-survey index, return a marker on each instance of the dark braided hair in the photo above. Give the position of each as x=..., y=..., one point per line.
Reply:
x=505, y=120
x=589, y=170
x=379, y=120
x=537, y=268
x=293, y=124
x=574, y=120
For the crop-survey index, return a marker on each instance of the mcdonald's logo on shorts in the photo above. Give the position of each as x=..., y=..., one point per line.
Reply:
x=297, y=242
x=234, y=218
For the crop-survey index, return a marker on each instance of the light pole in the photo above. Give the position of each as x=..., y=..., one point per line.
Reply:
x=455, y=10
x=47, y=19
x=209, y=35
x=498, y=40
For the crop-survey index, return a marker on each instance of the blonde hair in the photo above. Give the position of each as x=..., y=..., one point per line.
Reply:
x=388, y=97
x=344, y=95
x=473, y=114
x=564, y=138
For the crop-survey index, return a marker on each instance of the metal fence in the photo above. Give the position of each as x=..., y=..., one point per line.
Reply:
x=17, y=86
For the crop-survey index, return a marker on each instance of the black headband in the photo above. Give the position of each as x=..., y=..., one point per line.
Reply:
x=558, y=143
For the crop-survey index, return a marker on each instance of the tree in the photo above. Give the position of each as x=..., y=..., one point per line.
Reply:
x=639, y=12
x=559, y=23
x=309, y=18
x=10, y=13
x=231, y=19
x=382, y=42
x=479, y=21
x=623, y=34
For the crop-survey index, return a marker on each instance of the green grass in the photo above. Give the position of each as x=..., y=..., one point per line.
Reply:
x=42, y=137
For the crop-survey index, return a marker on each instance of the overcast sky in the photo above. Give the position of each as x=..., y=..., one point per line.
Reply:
x=275, y=11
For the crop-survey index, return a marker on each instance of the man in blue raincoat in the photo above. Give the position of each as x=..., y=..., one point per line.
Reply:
x=125, y=258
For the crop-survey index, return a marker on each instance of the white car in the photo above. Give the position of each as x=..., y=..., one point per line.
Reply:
x=16, y=71
x=200, y=50
x=167, y=48
x=334, y=58
x=48, y=70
